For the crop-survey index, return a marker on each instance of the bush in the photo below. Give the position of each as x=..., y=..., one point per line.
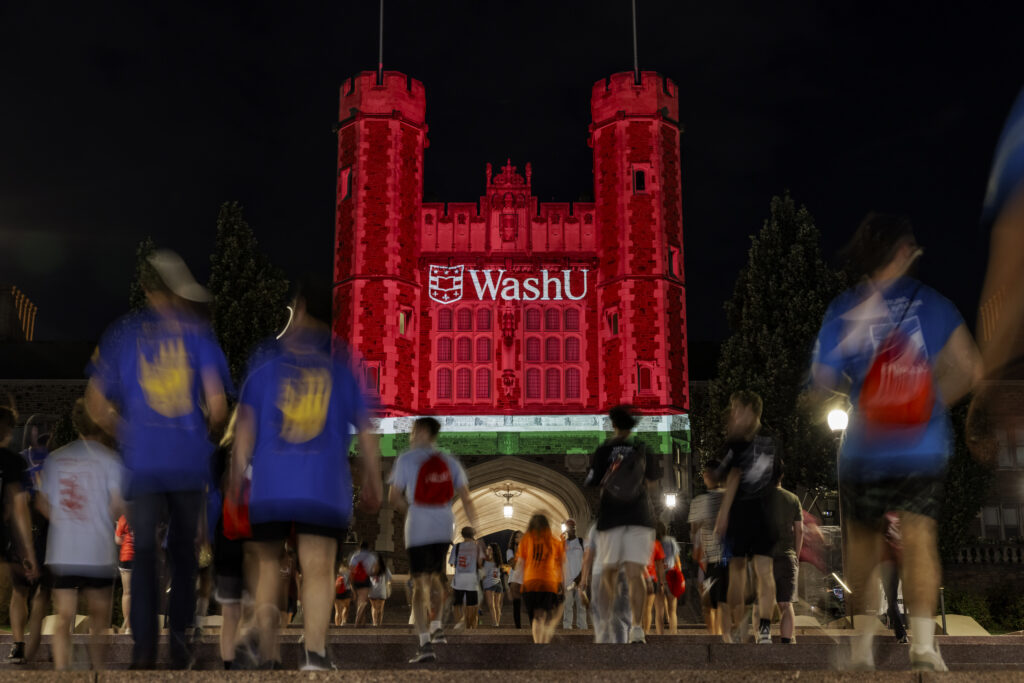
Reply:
x=1008, y=612
x=972, y=605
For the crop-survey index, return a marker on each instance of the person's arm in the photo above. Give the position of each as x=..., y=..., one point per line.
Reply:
x=43, y=504
x=958, y=366
x=23, y=526
x=732, y=485
x=467, y=505
x=396, y=498
x=659, y=569
x=798, y=535
x=372, y=491
x=100, y=410
x=588, y=568
x=481, y=550
x=241, y=452
x=216, y=400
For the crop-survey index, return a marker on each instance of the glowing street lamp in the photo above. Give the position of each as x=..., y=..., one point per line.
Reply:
x=670, y=500
x=508, y=493
x=838, y=420
x=507, y=511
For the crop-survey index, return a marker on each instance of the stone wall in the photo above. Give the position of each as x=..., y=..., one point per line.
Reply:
x=50, y=396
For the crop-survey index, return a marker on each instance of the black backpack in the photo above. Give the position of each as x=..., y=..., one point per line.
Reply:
x=624, y=480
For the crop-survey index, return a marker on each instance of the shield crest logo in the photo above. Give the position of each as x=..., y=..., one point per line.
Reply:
x=445, y=284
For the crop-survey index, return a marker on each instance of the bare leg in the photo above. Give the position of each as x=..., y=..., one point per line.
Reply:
x=609, y=589
x=377, y=611
x=648, y=611
x=786, y=622
x=671, y=605
x=362, y=605
x=126, y=598
x=537, y=626
x=19, y=608
x=100, y=601
x=737, y=584
x=765, y=586
x=659, y=613
x=922, y=574
x=268, y=618
x=340, y=612
x=864, y=546
x=551, y=623
x=40, y=608
x=231, y=616
x=316, y=555
x=472, y=613
x=637, y=590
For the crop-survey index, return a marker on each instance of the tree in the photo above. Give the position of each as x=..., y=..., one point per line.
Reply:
x=775, y=312
x=966, y=487
x=248, y=291
x=137, y=297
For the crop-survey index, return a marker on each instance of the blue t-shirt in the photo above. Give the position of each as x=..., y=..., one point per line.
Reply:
x=847, y=343
x=306, y=402
x=150, y=365
x=1008, y=165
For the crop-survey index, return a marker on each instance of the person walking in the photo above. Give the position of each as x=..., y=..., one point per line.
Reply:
x=342, y=597
x=708, y=550
x=424, y=481
x=298, y=409
x=467, y=557
x=673, y=564
x=362, y=566
x=80, y=493
x=380, y=589
x=491, y=583
x=746, y=468
x=515, y=578
x=899, y=439
x=168, y=378
x=654, y=606
x=625, y=472
x=124, y=537
x=613, y=626
x=542, y=557
x=787, y=518
x=574, y=547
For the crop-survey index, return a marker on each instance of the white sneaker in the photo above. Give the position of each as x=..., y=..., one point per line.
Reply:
x=636, y=635
x=927, y=660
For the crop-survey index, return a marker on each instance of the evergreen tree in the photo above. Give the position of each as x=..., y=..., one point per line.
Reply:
x=248, y=291
x=137, y=297
x=774, y=316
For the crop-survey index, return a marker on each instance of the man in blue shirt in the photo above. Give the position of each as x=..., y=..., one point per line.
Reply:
x=158, y=383
x=889, y=463
x=298, y=408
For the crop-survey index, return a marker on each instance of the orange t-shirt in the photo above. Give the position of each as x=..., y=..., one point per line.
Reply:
x=339, y=585
x=127, y=540
x=658, y=554
x=543, y=556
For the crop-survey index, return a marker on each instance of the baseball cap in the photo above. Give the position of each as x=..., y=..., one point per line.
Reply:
x=177, y=277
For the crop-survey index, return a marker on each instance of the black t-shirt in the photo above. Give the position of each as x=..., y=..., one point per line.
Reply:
x=612, y=513
x=12, y=471
x=755, y=459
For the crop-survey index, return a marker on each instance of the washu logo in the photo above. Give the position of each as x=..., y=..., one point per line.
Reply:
x=166, y=381
x=446, y=285
x=303, y=399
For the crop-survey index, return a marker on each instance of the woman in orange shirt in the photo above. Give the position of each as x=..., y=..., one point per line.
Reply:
x=541, y=557
x=125, y=537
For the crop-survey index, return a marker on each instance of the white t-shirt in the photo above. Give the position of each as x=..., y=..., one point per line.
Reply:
x=465, y=557
x=364, y=558
x=492, y=574
x=573, y=559
x=426, y=524
x=379, y=585
x=79, y=481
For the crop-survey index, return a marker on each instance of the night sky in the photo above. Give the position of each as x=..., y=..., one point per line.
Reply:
x=134, y=119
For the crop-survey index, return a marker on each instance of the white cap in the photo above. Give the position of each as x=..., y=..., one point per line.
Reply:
x=177, y=277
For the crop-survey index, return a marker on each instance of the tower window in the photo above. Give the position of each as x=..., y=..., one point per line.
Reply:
x=444, y=383
x=463, y=384
x=444, y=349
x=405, y=322
x=673, y=262
x=483, y=350
x=644, y=379
x=552, y=383
x=572, y=383
x=533, y=383
x=533, y=319
x=483, y=383
x=552, y=347
x=572, y=350
x=612, y=317
x=465, y=319
x=533, y=349
x=639, y=181
x=464, y=350
x=483, y=320
x=444, y=319
x=572, y=319
x=373, y=378
x=551, y=319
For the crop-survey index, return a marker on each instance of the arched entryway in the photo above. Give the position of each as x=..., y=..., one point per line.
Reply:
x=543, y=490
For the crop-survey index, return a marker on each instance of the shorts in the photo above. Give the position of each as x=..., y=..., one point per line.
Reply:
x=785, y=569
x=280, y=531
x=544, y=601
x=717, y=577
x=293, y=605
x=228, y=556
x=228, y=588
x=467, y=598
x=624, y=544
x=347, y=595
x=868, y=502
x=360, y=585
x=496, y=588
x=750, y=532
x=427, y=559
x=72, y=582
x=125, y=566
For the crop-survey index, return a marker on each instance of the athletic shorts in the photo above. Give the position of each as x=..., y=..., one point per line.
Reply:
x=359, y=585
x=750, y=532
x=347, y=595
x=467, y=598
x=280, y=531
x=785, y=569
x=427, y=559
x=496, y=588
x=125, y=566
x=80, y=582
x=624, y=544
x=547, y=602
x=717, y=577
x=868, y=502
x=228, y=589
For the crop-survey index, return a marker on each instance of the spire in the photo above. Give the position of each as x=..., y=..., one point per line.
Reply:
x=636, y=61
x=380, y=47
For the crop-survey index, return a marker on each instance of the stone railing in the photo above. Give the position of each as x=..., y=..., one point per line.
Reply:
x=990, y=554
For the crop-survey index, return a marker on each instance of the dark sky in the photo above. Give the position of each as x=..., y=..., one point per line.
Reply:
x=118, y=121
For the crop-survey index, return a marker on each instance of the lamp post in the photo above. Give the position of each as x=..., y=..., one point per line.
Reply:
x=508, y=493
x=838, y=421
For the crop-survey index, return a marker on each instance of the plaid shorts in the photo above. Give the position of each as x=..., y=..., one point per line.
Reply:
x=868, y=501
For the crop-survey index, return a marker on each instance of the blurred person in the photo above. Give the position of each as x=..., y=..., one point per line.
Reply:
x=655, y=580
x=613, y=626
x=625, y=518
x=342, y=597
x=297, y=407
x=491, y=583
x=467, y=557
x=124, y=538
x=424, y=481
x=542, y=555
x=787, y=517
x=899, y=439
x=380, y=590
x=572, y=570
x=80, y=493
x=158, y=383
x=362, y=566
x=515, y=578
x=743, y=523
x=21, y=546
x=708, y=548
x=673, y=572
x=890, y=575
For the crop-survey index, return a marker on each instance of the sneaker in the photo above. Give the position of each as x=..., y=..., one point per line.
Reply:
x=636, y=635
x=764, y=636
x=438, y=638
x=317, y=662
x=17, y=655
x=424, y=654
x=927, y=660
x=902, y=640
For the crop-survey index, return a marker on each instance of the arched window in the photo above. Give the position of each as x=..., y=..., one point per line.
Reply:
x=444, y=319
x=483, y=320
x=464, y=350
x=463, y=384
x=572, y=383
x=533, y=319
x=533, y=350
x=444, y=383
x=572, y=350
x=465, y=319
x=552, y=383
x=533, y=383
x=552, y=319
x=483, y=350
x=552, y=349
x=644, y=379
x=444, y=348
x=572, y=319
x=483, y=383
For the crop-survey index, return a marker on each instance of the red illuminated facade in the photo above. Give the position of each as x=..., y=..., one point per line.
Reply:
x=507, y=305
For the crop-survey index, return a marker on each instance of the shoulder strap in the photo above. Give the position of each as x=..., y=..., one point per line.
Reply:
x=910, y=302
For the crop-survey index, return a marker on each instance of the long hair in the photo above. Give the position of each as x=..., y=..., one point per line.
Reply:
x=539, y=524
x=874, y=244
x=513, y=544
x=496, y=554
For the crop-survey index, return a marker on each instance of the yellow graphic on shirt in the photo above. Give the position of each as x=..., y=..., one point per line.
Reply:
x=303, y=401
x=167, y=381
